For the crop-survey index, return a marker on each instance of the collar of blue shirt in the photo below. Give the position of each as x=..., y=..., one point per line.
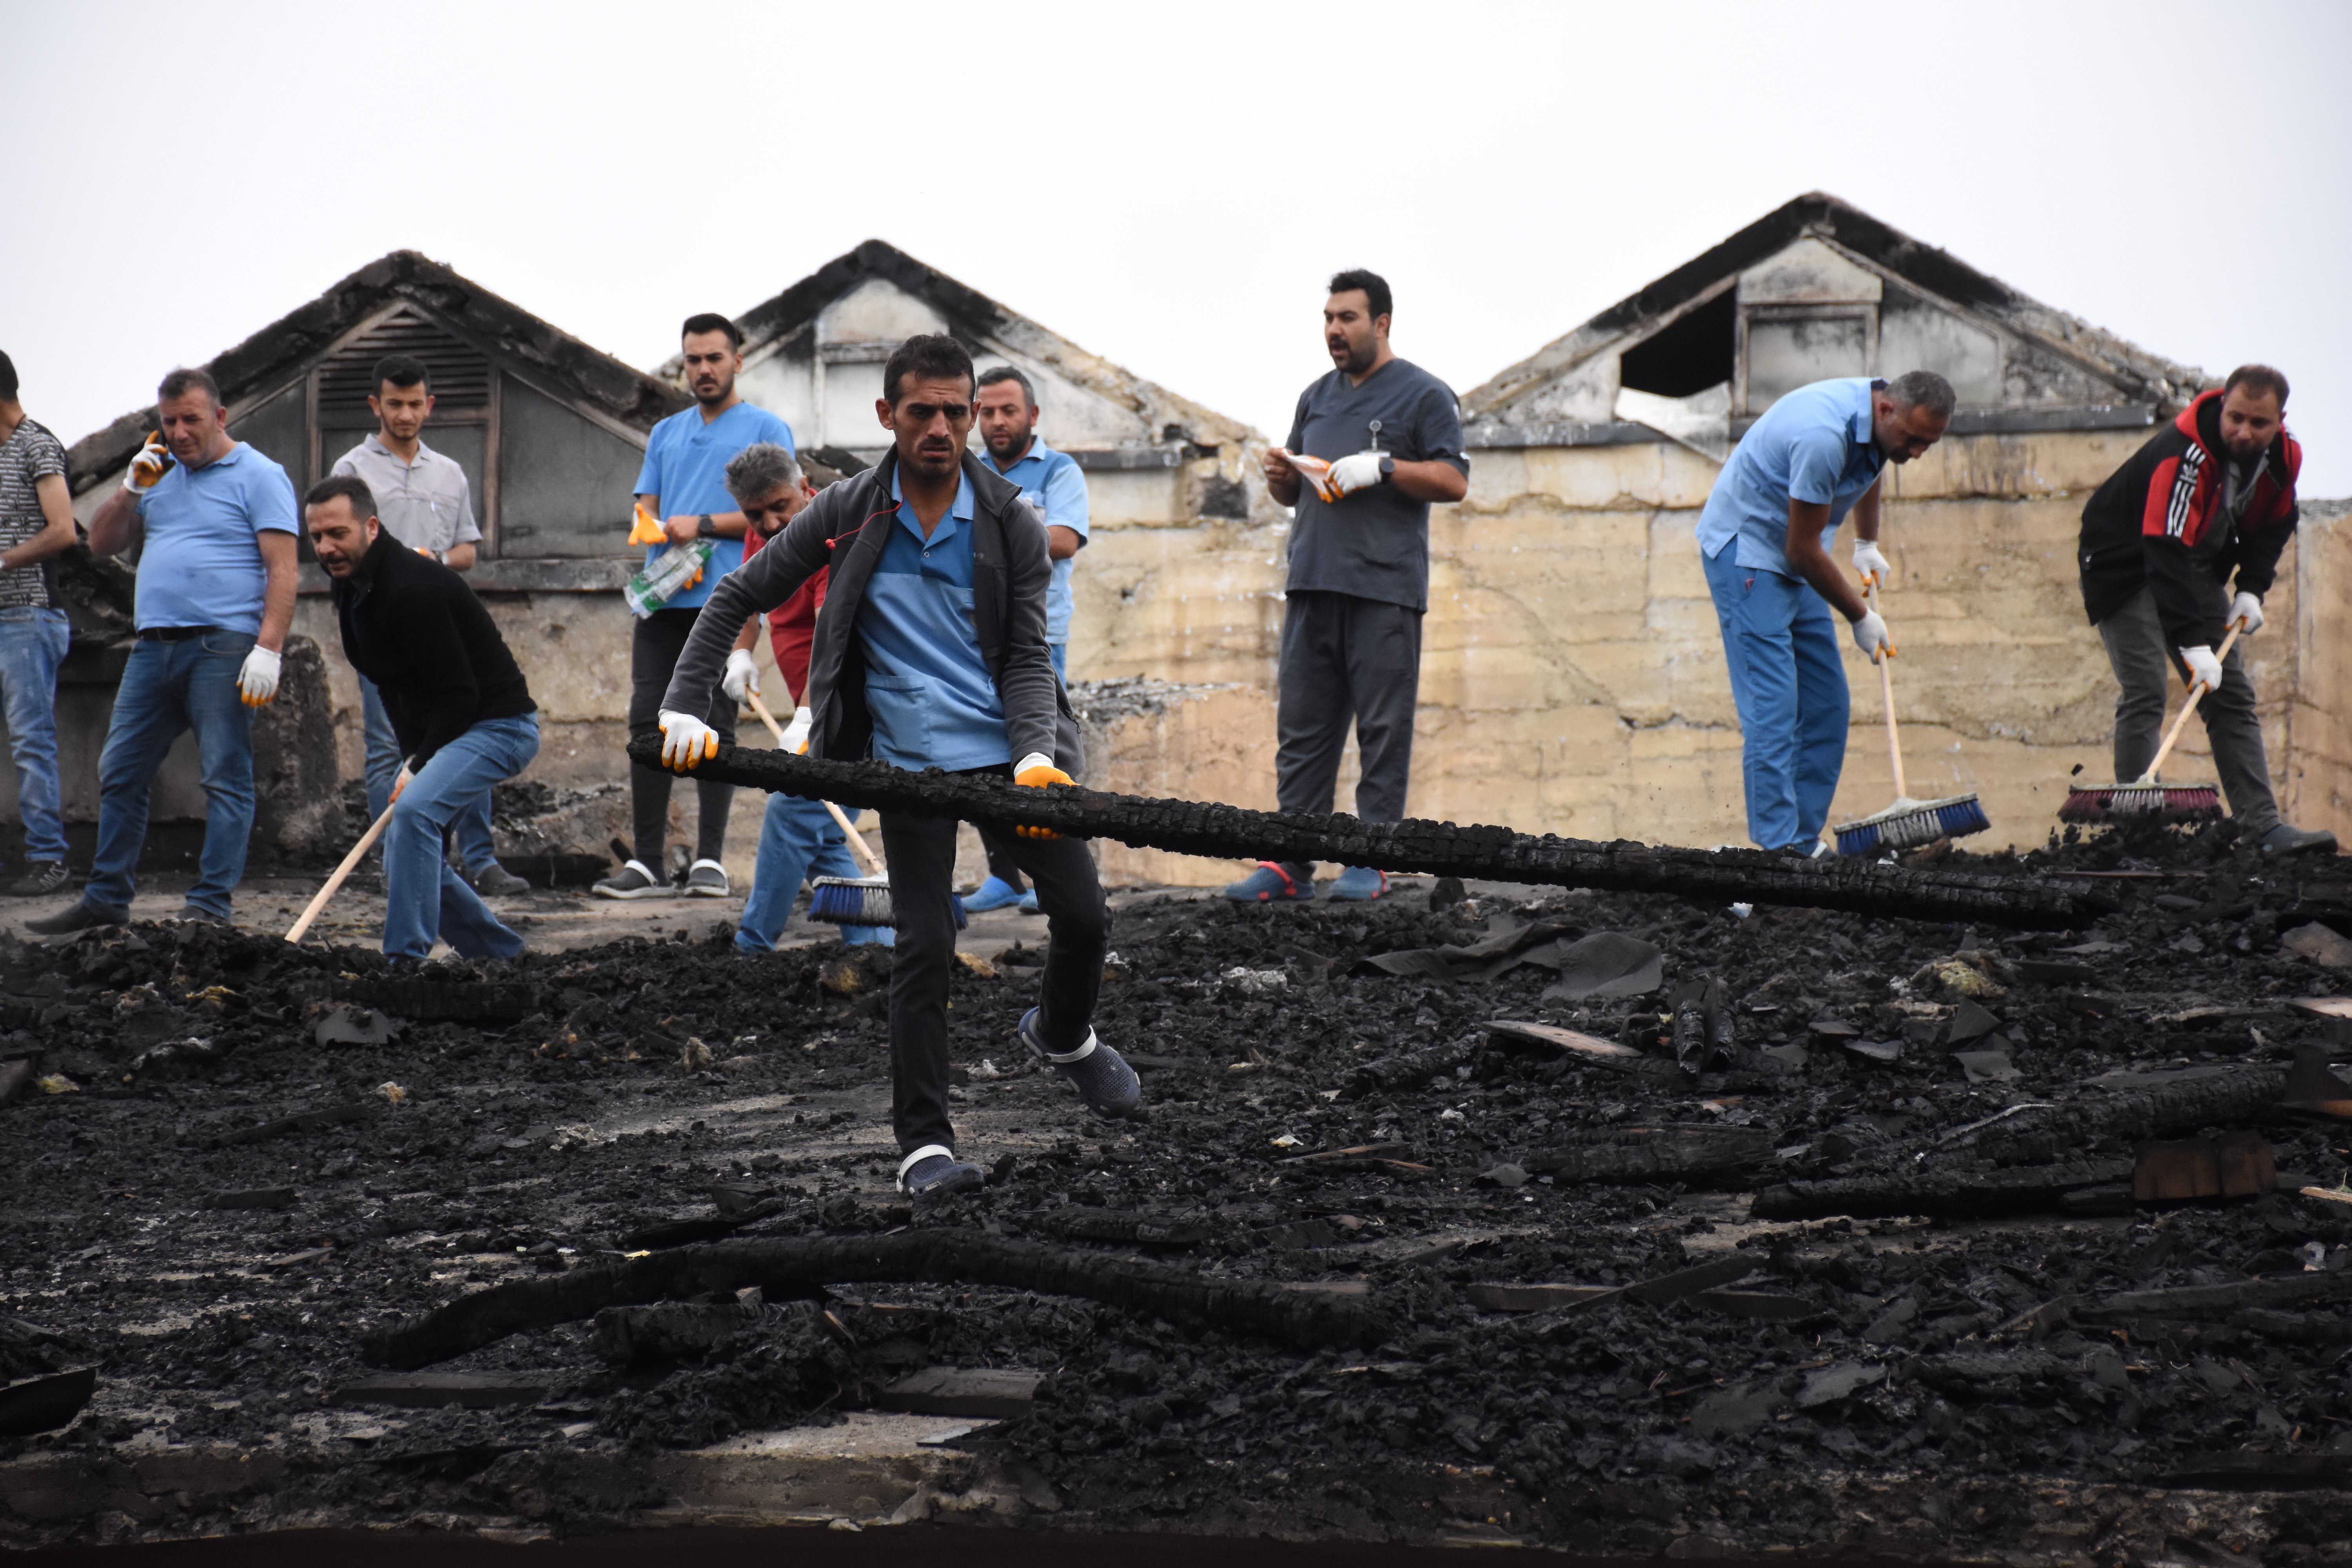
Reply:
x=962, y=511
x=1864, y=430
x=1037, y=453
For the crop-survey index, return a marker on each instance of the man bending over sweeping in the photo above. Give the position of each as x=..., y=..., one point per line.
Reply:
x=2207, y=500
x=931, y=652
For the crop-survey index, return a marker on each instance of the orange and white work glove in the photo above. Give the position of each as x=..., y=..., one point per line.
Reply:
x=797, y=734
x=1036, y=771
x=2204, y=670
x=400, y=782
x=1871, y=562
x=687, y=742
x=646, y=528
x=1357, y=471
x=256, y=683
x=741, y=675
x=1870, y=636
x=147, y=465
x=2248, y=607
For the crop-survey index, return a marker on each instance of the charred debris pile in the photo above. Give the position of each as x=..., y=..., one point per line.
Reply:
x=1662, y=1216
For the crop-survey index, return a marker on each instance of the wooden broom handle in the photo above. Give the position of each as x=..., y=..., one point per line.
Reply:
x=1886, y=700
x=342, y=872
x=2195, y=693
x=857, y=842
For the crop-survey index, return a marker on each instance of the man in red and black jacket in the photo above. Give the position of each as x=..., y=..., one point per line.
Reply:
x=2209, y=499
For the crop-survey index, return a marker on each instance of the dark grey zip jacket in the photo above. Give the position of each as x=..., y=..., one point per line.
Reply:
x=845, y=529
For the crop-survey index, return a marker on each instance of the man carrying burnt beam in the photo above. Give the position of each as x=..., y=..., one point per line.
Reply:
x=931, y=652
x=2208, y=498
x=463, y=716
x=1382, y=439
x=684, y=483
x=1815, y=456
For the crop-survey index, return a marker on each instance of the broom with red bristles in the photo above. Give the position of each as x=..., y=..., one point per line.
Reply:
x=2144, y=797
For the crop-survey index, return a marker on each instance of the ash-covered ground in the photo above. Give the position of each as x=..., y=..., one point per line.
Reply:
x=660, y=1088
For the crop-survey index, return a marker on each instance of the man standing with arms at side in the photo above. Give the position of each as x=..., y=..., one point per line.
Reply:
x=1358, y=582
x=36, y=521
x=427, y=504
x=1815, y=455
x=2210, y=498
x=215, y=595
x=684, y=483
x=1051, y=482
x=465, y=719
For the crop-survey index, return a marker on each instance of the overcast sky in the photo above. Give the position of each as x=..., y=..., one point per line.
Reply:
x=1167, y=185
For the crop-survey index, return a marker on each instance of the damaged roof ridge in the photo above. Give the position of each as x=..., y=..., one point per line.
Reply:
x=279, y=350
x=1829, y=217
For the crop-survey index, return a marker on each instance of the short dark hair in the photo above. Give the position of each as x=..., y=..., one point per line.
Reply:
x=712, y=321
x=402, y=370
x=997, y=374
x=1923, y=389
x=925, y=353
x=7, y=379
x=184, y=380
x=350, y=486
x=1375, y=288
x=2257, y=378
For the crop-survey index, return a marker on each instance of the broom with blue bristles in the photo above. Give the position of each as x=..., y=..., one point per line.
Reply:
x=1907, y=823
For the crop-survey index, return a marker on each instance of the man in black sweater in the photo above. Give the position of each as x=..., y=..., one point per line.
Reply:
x=457, y=703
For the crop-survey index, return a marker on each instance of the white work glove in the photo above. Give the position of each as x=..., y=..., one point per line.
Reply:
x=2248, y=607
x=147, y=466
x=2204, y=670
x=687, y=742
x=258, y=681
x=1871, y=562
x=797, y=734
x=741, y=675
x=1351, y=474
x=1870, y=636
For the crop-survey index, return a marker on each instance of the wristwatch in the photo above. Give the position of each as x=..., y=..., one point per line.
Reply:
x=706, y=523
x=1388, y=468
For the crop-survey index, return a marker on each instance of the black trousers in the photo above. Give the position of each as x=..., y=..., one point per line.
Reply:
x=660, y=637
x=1003, y=864
x=921, y=852
x=1346, y=658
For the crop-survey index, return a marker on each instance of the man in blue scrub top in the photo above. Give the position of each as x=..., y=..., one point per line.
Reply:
x=1052, y=485
x=1815, y=455
x=931, y=652
x=684, y=483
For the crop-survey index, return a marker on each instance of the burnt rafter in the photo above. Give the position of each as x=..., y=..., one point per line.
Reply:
x=1446, y=848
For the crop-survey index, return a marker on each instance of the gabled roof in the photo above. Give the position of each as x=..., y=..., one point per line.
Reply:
x=980, y=323
x=282, y=349
x=2137, y=374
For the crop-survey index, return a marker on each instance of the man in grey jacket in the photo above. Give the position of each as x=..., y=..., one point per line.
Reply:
x=931, y=652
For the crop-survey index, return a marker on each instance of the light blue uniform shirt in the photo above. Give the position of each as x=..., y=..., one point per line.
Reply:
x=201, y=563
x=1053, y=482
x=934, y=701
x=686, y=465
x=1815, y=446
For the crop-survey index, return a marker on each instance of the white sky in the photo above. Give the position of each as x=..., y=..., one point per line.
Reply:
x=1167, y=185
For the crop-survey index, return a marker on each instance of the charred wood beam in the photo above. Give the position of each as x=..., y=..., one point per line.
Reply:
x=1308, y=1319
x=1974, y=1195
x=1668, y=1153
x=1444, y=848
x=2050, y=1133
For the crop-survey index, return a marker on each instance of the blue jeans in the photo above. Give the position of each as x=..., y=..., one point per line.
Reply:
x=423, y=895
x=32, y=645
x=798, y=840
x=1060, y=652
x=1780, y=642
x=472, y=826
x=168, y=687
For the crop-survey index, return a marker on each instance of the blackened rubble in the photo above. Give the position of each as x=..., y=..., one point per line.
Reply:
x=1922, y=1378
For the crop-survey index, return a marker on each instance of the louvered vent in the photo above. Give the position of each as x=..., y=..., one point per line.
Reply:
x=461, y=373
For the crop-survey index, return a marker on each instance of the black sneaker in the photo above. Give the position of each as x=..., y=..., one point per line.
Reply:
x=933, y=1172
x=79, y=915
x=632, y=882
x=2282, y=840
x=1104, y=1081
x=41, y=879
x=191, y=915
x=495, y=882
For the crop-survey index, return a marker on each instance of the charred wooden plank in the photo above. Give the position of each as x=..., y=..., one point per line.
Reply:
x=2052, y=1132
x=1985, y=1195
x=1671, y=1152
x=1444, y=848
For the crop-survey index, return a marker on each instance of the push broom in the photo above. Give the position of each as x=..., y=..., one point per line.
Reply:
x=1907, y=822
x=2144, y=797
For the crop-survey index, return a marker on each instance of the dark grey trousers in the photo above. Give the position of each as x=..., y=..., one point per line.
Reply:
x=1346, y=659
x=922, y=853
x=654, y=649
x=2144, y=662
